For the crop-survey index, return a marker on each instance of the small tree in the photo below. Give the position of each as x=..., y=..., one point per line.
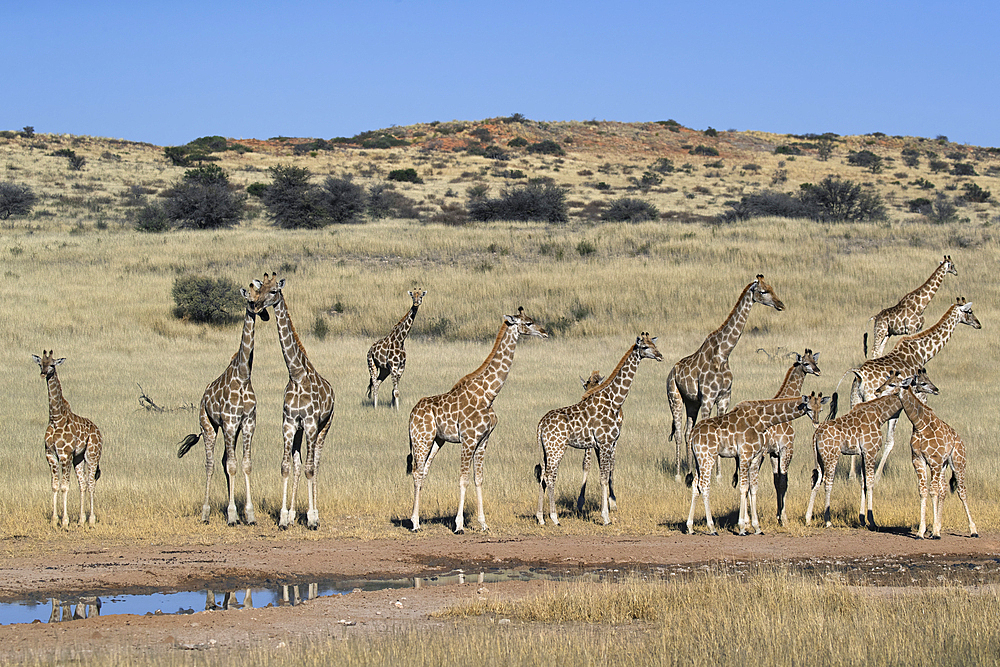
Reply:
x=866, y=159
x=840, y=200
x=152, y=218
x=342, y=201
x=204, y=199
x=630, y=210
x=291, y=200
x=15, y=200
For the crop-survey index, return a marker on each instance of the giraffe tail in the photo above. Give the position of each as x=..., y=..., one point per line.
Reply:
x=689, y=480
x=538, y=473
x=187, y=443
x=865, y=345
x=953, y=484
x=97, y=473
x=833, y=407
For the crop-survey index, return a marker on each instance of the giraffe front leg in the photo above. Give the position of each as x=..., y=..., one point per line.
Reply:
x=249, y=425
x=229, y=435
x=869, y=482
x=54, y=469
x=64, y=487
x=290, y=459
x=581, y=499
x=890, y=442
x=81, y=480
x=420, y=463
x=312, y=476
x=478, y=469
x=396, y=377
x=606, y=462
x=817, y=477
x=921, y=470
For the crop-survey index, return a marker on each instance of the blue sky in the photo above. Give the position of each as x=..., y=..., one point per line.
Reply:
x=169, y=72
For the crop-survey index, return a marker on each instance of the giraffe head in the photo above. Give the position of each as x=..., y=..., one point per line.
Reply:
x=949, y=266
x=47, y=364
x=593, y=381
x=812, y=405
x=525, y=325
x=263, y=293
x=965, y=314
x=647, y=347
x=920, y=383
x=764, y=293
x=417, y=295
x=808, y=362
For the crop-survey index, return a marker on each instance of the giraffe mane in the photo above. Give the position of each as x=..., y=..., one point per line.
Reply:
x=613, y=374
x=732, y=311
x=489, y=357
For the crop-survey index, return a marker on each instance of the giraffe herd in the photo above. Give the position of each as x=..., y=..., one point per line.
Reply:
x=883, y=387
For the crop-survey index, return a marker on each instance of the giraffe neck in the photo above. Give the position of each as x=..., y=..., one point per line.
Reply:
x=923, y=294
x=291, y=347
x=489, y=378
x=402, y=328
x=724, y=339
x=915, y=409
x=616, y=387
x=883, y=407
x=243, y=359
x=925, y=345
x=792, y=385
x=776, y=411
x=58, y=406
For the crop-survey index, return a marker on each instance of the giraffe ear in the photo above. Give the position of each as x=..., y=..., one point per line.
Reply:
x=815, y=356
x=58, y=361
x=38, y=359
x=245, y=293
x=281, y=284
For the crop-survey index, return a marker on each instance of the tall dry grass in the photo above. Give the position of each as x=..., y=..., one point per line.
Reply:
x=102, y=300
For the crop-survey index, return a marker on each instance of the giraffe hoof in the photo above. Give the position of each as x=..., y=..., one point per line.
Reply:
x=974, y=535
x=715, y=533
x=282, y=527
x=460, y=531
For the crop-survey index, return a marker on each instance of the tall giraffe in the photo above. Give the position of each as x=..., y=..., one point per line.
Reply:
x=589, y=384
x=907, y=316
x=702, y=380
x=910, y=355
x=934, y=445
x=388, y=356
x=779, y=440
x=307, y=411
x=229, y=403
x=594, y=422
x=70, y=441
x=739, y=434
x=465, y=415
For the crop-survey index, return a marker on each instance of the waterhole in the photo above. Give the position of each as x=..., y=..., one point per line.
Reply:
x=884, y=571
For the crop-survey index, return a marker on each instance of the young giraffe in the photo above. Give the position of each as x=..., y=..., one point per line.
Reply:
x=229, y=403
x=933, y=444
x=70, y=441
x=779, y=440
x=910, y=355
x=859, y=432
x=907, y=316
x=740, y=434
x=594, y=422
x=388, y=356
x=307, y=411
x=702, y=380
x=465, y=415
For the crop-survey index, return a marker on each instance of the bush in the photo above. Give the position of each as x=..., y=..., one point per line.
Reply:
x=630, y=210
x=517, y=142
x=152, y=218
x=937, y=166
x=547, y=147
x=663, y=165
x=963, y=169
x=204, y=199
x=704, y=150
x=866, y=159
x=408, y=175
x=208, y=300
x=535, y=201
x=15, y=200
x=768, y=203
x=838, y=200
x=342, y=201
x=918, y=205
x=649, y=179
x=385, y=202
x=787, y=150
x=942, y=211
x=974, y=193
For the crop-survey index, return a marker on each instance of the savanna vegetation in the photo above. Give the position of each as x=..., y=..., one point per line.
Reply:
x=80, y=280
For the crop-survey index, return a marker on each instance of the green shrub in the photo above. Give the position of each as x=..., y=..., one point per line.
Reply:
x=517, y=142
x=291, y=201
x=16, y=199
x=257, y=189
x=963, y=169
x=408, y=175
x=937, y=166
x=207, y=300
x=866, y=159
x=536, y=201
x=649, y=179
x=918, y=205
x=663, y=165
x=704, y=150
x=546, y=147
x=152, y=218
x=383, y=141
x=711, y=132
x=385, y=202
x=787, y=150
x=585, y=248
x=630, y=210
x=832, y=200
x=204, y=199
x=974, y=193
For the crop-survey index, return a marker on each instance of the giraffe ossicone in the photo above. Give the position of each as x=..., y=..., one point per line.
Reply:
x=464, y=415
x=592, y=423
x=71, y=442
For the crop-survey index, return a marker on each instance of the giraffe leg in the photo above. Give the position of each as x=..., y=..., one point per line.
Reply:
x=606, y=463
x=54, y=469
x=312, y=471
x=249, y=425
x=958, y=479
x=478, y=462
x=230, y=433
x=209, y=433
x=890, y=442
x=580, y=501
x=397, y=375
x=553, y=448
x=291, y=458
x=918, y=466
x=817, y=478
x=678, y=414
x=941, y=491
x=754, y=473
x=868, y=461
x=721, y=404
x=81, y=480
x=67, y=464
x=465, y=464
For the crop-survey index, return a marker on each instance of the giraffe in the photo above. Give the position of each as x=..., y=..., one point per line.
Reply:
x=70, y=441
x=229, y=403
x=740, y=434
x=307, y=411
x=703, y=380
x=907, y=316
x=934, y=445
x=859, y=432
x=465, y=415
x=594, y=422
x=779, y=440
x=910, y=354
x=388, y=356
